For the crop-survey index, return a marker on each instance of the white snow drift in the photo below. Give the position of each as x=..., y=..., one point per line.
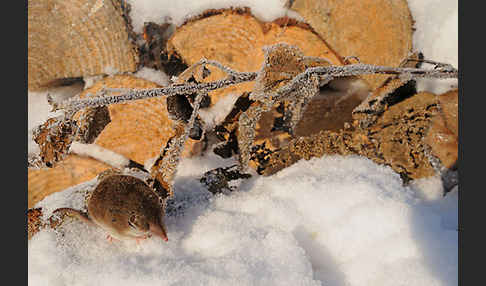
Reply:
x=329, y=221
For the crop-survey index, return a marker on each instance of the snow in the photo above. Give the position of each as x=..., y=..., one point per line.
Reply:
x=215, y=114
x=436, y=36
x=89, y=81
x=328, y=221
x=176, y=12
x=37, y=111
x=153, y=75
x=109, y=70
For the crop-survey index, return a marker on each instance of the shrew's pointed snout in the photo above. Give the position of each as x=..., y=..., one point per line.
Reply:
x=158, y=230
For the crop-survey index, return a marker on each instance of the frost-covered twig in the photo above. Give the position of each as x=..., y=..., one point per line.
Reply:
x=300, y=86
x=327, y=73
x=227, y=70
x=172, y=157
x=165, y=167
x=324, y=72
x=75, y=105
x=246, y=133
x=441, y=71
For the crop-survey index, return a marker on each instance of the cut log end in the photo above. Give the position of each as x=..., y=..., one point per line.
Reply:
x=76, y=38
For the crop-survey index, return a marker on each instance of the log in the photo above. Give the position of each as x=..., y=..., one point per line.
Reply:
x=137, y=130
x=401, y=138
x=235, y=38
x=378, y=32
x=76, y=38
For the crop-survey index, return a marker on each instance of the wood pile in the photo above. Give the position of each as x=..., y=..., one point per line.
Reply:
x=380, y=117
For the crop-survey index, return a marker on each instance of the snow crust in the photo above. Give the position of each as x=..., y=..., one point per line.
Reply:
x=328, y=221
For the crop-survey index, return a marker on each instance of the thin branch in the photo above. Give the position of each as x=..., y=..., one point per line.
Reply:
x=75, y=105
x=217, y=64
x=299, y=88
x=442, y=71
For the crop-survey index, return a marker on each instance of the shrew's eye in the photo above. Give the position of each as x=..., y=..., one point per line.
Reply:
x=131, y=222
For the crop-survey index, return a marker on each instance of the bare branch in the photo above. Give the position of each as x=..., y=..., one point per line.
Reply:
x=227, y=70
x=165, y=167
x=75, y=105
x=298, y=86
x=441, y=71
x=324, y=72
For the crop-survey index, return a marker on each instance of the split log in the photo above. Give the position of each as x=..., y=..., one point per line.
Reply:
x=401, y=138
x=71, y=171
x=76, y=38
x=378, y=32
x=235, y=38
x=137, y=130
x=442, y=136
